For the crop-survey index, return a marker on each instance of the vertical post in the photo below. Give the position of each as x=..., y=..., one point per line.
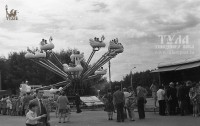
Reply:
x=6, y=7
x=159, y=78
x=131, y=76
x=83, y=88
x=0, y=81
x=7, y=16
x=109, y=74
x=131, y=80
x=98, y=93
x=121, y=85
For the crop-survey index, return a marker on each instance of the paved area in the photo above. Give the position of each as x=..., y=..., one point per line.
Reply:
x=99, y=118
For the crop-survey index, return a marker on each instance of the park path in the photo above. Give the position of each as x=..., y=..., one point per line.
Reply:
x=99, y=118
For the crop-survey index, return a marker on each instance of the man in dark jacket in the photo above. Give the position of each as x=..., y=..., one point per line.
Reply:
x=77, y=102
x=182, y=98
x=189, y=105
x=172, y=98
x=141, y=101
x=43, y=108
x=119, y=101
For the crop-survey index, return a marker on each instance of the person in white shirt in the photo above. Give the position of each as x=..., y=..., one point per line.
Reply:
x=126, y=96
x=161, y=100
x=31, y=116
x=153, y=89
x=9, y=105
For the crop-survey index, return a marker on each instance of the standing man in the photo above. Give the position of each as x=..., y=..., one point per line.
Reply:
x=77, y=102
x=172, y=97
x=161, y=100
x=118, y=101
x=182, y=98
x=189, y=104
x=43, y=108
x=141, y=95
x=153, y=89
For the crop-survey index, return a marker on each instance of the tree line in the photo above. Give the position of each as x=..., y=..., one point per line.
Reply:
x=16, y=69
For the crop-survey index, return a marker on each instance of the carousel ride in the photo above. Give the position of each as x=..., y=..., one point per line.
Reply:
x=79, y=68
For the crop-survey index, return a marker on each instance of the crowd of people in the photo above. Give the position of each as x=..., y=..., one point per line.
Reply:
x=124, y=102
x=176, y=98
x=12, y=105
x=179, y=98
x=173, y=99
x=36, y=108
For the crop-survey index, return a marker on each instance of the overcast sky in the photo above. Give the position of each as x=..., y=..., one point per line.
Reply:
x=138, y=24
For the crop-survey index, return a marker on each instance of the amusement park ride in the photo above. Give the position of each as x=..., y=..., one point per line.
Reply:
x=79, y=69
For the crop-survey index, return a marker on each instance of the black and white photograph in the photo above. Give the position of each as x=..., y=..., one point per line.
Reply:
x=99, y=62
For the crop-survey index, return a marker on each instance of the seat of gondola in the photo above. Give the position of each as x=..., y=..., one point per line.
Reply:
x=71, y=65
x=29, y=55
x=96, y=43
x=46, y=46
x=40, y=54
x=72, y=68
x=101, y=71
x=119, y=50
x=77, y=55
x=114, y=44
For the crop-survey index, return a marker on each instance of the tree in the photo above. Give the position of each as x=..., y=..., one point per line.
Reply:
x=16, y=69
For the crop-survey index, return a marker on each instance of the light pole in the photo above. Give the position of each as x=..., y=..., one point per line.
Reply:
x=98, y=93
x=0, y=80
x=6, y=7
x=109, y=75
x=131, y=77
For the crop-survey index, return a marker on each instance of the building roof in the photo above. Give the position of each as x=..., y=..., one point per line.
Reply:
x=181, y=65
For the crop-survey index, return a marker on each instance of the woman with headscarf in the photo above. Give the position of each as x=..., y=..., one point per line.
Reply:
x=63, y=107
x=109, y=107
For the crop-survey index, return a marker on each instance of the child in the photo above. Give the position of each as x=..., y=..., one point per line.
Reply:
x=109, y=107
x=31, y=116
x=68, y=113
x=63, y=109
x=131, y=104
